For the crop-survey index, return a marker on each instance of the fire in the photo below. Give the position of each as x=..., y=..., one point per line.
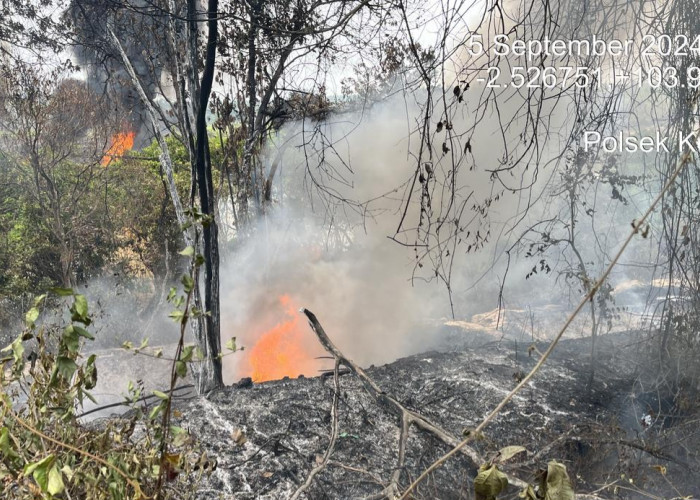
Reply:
x=282, y=350
x=121, y=143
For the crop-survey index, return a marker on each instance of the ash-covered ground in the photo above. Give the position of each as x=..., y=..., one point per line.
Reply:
x=618, y=440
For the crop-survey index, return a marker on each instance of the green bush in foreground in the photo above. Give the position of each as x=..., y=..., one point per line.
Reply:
x=45, y=452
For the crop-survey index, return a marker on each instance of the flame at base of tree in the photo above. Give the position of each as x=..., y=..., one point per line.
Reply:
x=283, y=350
x=121, y=143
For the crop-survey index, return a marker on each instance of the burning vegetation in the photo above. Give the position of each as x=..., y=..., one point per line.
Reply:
x=121, y=143
x=283, y=350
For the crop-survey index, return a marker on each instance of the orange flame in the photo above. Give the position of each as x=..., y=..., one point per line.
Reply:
x=121, y=143
x=282, y=351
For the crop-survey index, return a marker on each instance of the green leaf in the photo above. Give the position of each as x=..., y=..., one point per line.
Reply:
x=231, y=344
x=17, y=349
x=68, y=472
x=160, y=395
x=177, y=315
x=171, y=294
x=509, y=452
x=5, y=444
x=489, y=483
x=180, y=369
x=83, y=332
x=187, y=283
x=66, y=367
x=81, y=305
x=179, y=435
x=39, y=300
x=155, y=411
x=55, y=485
x=186, y=354
x=61, y=292
x=90, y=378
x=79, y=309
x=71, y=339
x=199, y=260
x=558, y=486
x=31, y=316
x=187, y=252
x=40, y=471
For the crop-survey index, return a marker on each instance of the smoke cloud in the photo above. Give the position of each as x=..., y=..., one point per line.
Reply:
x=141, y=33
x=336, y=258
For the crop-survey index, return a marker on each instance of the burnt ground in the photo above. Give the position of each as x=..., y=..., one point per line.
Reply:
x=598, y=434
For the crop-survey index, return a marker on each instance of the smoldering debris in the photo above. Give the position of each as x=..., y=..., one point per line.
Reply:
x=286, y=424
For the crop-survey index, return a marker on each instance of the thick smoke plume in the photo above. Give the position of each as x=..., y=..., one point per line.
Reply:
x=331, y=253
x=142, y=35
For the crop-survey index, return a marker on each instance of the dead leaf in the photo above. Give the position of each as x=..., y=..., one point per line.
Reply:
x=558, y=485
x=528, y=493
x=489, y=483
x=170, y=466
x=239, y=437
x=660, y=468
x=509, y=452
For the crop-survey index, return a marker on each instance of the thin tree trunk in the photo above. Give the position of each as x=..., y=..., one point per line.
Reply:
x=211, y=378
x=251, y=88
x=196, y=323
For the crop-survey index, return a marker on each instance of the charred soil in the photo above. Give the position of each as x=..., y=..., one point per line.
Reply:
x=266, y=437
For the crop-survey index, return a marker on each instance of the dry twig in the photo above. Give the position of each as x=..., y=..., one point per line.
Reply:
x=405, y=416
x=333, y=438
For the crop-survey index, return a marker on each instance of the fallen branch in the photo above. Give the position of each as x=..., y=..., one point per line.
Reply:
x=132, y=402
x=392, y=489
x=569, y=436
x=333, y=438
x=405, y=416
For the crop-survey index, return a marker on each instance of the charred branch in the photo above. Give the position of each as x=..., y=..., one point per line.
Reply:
x=406, y=417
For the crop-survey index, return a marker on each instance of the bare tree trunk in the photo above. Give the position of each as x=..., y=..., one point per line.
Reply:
x=166, y=162
x=251, y=88
x=66, y=265
x=211, y=378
